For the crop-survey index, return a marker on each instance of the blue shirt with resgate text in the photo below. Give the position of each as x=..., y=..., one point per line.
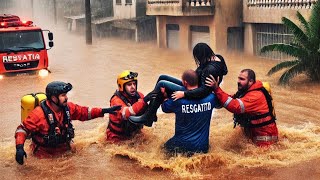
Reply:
x=192, y=123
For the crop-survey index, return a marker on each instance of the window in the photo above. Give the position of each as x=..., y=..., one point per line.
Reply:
x=129, y=2
x=21, y=40
x=118, y=2
x=269, y=34
x=200, y=29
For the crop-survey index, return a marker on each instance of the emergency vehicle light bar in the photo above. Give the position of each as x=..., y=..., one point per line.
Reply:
x=3, y=24
x=12, y=21
x=27, y=23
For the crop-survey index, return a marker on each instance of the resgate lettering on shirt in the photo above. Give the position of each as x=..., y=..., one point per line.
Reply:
x=195, y=108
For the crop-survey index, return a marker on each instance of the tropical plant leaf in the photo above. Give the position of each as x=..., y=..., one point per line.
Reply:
x=300, y=37
x=314, y=21
x=289, y=49
x=305, y=48
x=304, y=22
x=290, y=73
x=282, y=65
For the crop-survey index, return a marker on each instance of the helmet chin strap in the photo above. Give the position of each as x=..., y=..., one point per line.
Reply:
x=57, y=104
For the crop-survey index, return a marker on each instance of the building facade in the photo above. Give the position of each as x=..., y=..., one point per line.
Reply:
x=181, y=24
x=263, y=25
x=130, y=20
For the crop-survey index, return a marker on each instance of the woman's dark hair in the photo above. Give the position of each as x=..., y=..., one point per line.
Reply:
x=202, y=53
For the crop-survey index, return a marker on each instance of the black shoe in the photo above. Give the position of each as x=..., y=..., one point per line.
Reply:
x=150, y=122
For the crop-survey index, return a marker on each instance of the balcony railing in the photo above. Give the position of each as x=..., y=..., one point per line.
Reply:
x=281, y=4
x=180, y=7
x=179, y=2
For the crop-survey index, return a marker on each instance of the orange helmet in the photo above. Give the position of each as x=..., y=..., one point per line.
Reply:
x=126, y=76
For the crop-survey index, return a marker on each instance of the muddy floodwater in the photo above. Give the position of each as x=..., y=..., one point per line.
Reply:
x=93, y=69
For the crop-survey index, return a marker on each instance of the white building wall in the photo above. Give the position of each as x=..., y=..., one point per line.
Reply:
x=124, y=11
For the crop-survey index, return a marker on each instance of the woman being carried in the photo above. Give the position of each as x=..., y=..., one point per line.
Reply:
x=207, y=63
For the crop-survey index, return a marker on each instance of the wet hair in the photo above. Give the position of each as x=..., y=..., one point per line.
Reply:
x=251, y=74
x=191, y=77
x=202, y=53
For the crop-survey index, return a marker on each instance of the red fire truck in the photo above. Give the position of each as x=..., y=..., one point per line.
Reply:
x=22, y=46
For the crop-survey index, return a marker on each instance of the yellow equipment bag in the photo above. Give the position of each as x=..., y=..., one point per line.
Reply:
x=267, y=86
x=29, y=102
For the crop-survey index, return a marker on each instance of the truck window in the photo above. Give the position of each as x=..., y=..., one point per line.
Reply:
x=21, y=40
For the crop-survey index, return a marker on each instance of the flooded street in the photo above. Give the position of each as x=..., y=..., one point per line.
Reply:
x=92, y=70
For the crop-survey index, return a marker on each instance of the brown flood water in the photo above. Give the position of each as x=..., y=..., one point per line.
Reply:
x=93, y=70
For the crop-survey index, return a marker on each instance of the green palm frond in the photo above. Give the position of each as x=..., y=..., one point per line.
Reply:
x=304, y=22
x=292, y=72
x=299, y=35
x=305, y=48
x=282, y=65
x=289, y=49
x=314, y=20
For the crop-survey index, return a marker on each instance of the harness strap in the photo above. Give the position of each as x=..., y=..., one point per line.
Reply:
x=36, y=100
x=262, y=124
x=123, y=124
x=52, y=136
x=51, y=119
x=123, y=98
x=269, y=102
x=260, y=116
x=119, y=125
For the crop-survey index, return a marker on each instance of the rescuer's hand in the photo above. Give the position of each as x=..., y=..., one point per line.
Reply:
x=111, y=110
x=20, y=153
x=177, y=95
x=211, y=82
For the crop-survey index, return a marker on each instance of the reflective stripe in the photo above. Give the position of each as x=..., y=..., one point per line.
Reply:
x=132, y=111
x=89, y=113
x=266, y=138
x=124, y=113
x=227, y=102
x=241, y=105
x=21, y=130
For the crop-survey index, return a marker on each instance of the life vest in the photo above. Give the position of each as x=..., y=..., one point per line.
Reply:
x=127, y=127
x=57, y=134
x=245, y=120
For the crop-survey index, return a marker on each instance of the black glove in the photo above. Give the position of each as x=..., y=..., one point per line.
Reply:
x=111, y=110
x=20, y=153
x=149, y=96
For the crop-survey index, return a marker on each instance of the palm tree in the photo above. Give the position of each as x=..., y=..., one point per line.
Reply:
x=305, y=48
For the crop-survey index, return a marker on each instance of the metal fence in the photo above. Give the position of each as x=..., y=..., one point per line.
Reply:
x=269, y=34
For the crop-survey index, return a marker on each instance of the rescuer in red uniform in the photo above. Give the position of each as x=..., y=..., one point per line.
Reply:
x=49, y=124
x=132, y=103
x=252, y=107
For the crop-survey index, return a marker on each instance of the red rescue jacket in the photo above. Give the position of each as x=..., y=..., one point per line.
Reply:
x=119, y=128
x=36, y=126
x=262, y=130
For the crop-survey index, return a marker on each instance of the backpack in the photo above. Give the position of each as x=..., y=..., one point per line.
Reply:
x=29, y=102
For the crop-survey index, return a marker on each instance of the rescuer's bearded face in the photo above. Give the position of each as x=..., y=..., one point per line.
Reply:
x=63, y=99
x=243, y=81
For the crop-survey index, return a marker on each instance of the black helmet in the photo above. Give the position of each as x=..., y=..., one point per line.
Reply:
x=56, y=88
